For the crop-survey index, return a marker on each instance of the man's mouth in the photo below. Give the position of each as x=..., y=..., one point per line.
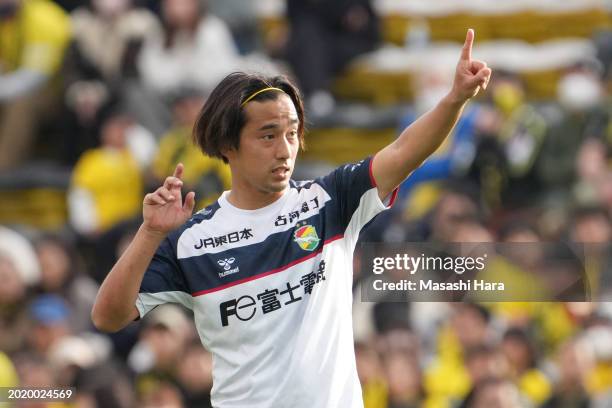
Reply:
x=280, y=171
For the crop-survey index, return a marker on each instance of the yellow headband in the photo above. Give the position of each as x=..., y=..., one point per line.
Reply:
x=258, y=92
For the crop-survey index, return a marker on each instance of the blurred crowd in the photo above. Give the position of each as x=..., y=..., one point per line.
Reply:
x=110, y=90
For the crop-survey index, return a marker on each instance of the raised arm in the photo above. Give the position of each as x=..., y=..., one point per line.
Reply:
x=418, y=141
x=162, y=212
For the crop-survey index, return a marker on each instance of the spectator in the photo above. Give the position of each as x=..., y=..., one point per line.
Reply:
x=447, y=379
x=157, y=360
x=61, y=274
x=574, y=362
x=324, y=38
x=105, y=35
x=591, y=224
x=107, y=186
x=519, y=235
x=13, y=297
x=194, y=49
x=34, y=34
x=591, y=228
x=521, y=135
x=19, y=272
x=497, y=393
x=100, y=62
x=86, y=362
x=49, y=315
x=520, y=351
x=591, y=161
x=405, y=381
x=453, y=207
x=580, y=92
x=208, y=177
x=21, y=253
x=194, y=375
x=161, y=342
x=483, y=362
x=371, y=376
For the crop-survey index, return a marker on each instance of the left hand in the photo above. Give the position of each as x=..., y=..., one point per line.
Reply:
x=470, y=75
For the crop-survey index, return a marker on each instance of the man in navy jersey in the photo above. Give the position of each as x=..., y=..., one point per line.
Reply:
x=267, y=269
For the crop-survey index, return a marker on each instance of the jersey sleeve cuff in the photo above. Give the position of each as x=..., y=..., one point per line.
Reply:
x=390, y=199
x=140, y=306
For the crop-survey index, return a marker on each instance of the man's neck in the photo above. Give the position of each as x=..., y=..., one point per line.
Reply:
x=252, y=200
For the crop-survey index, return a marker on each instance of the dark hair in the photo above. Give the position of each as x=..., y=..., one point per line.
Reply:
x=587, y=211
x=222, y=117
x=480, y=310
x=521, y=336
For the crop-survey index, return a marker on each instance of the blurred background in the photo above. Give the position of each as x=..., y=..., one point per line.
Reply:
x=97, y=100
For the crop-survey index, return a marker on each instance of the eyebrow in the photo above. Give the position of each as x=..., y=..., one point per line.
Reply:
x=274, y=125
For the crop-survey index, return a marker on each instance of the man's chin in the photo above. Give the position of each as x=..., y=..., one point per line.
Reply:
x=278, y=186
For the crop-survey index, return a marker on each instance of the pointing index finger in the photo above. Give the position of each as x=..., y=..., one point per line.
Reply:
x=178, y=172
x=466, y=52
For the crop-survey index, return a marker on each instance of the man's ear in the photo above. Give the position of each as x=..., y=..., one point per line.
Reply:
x=229, y=151
x=228, y=154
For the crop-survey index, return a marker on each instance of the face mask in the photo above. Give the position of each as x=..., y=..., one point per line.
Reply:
x=507, y=97
x=8, y=10
x=579, y=92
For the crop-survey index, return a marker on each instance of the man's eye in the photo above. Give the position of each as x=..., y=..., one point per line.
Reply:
x=267, y=137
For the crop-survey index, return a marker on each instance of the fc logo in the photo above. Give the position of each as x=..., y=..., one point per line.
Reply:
x=243, y=308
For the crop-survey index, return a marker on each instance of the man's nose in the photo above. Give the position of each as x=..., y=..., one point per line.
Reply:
x=283, y=148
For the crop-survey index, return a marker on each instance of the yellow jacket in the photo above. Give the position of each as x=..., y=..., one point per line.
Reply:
x=35, y=38
x=113, y=182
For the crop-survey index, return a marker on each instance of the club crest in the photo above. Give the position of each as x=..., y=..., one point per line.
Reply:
x=306, y=237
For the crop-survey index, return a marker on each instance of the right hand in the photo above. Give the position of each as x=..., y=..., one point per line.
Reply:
x=470, y=75
x=163, y=210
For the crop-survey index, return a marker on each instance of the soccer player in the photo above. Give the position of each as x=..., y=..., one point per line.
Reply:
x=267, y=269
